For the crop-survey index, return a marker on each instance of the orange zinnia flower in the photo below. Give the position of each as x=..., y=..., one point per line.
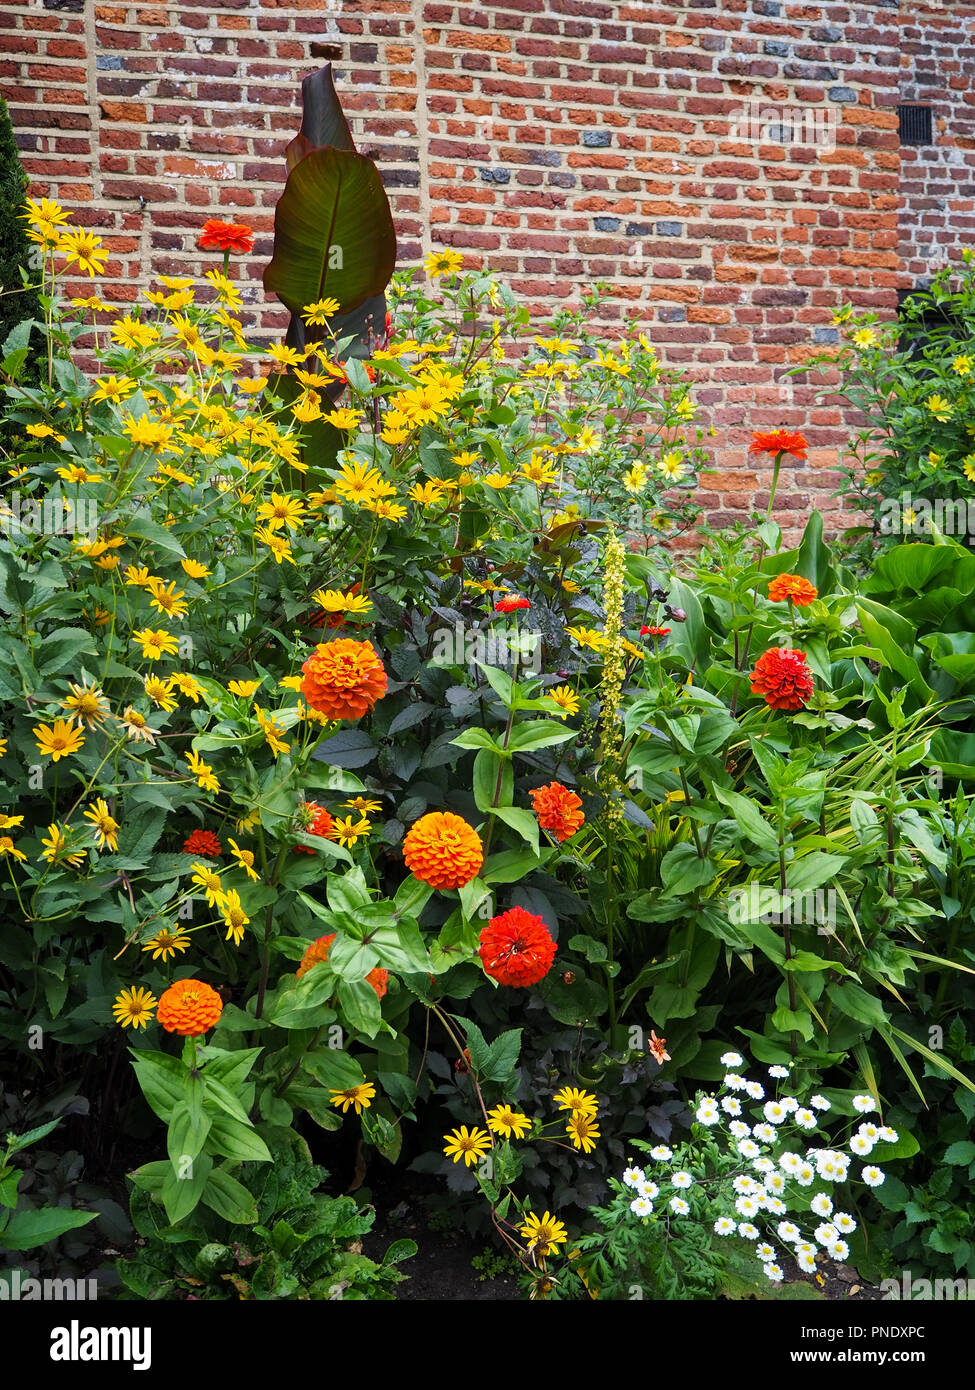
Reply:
x=202, y=843
x=443, y=850
x=516, y=948
x=778, y=442
x=318, y=952
x=189, y=1008
x=558, y=810
x=226, y=236
x=323, y=825
x=783, y=677
x=343, y=679
x=786, y=586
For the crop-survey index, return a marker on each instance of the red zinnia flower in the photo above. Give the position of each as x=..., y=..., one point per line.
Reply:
x=508, y=605
x=654, y=631
x=321, y=825
x=517, y=948
x=226, y=236
x=203, y=842
x=558, y=810
x=783, y=677
x=778, y=442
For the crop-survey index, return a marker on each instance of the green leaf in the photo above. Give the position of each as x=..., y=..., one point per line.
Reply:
x=333, y=233
x=682, y=870
x=236, y=1140
x=521, y=820
x=959, y=1154
x=476, y=738
x=27, y=1229
x=183, y=1187
x=62, y=648
x=539, y=733
x=162, y=1079
x=749, y=819
x=229, y=1198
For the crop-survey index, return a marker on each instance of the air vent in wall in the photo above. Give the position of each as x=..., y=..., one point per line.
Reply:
x=915, y=125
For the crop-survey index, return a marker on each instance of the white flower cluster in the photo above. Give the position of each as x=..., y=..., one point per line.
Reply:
x=765, y=1198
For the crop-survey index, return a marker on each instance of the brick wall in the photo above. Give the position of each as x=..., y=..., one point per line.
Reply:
x=938, y=180
x=557, y=141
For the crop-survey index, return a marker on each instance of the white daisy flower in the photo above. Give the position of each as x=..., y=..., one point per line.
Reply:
x=788, y=1231
x=872, y=1176
x=805, y=1174
x=806, y=1118
x=807, y=1263
x=828, y=1164
x=641, y=1207
x=765, y=1251
x=774, y=1183
x=763, y=1165
x=661, y=1153
x=678, y=1206
x=747, y=1206
x=861, y=1145
x=826, y=1234
x=789, y=1162
x=756, y=1091
x=788, y=1103
x=749, y=1231
x=778, y=1072
x=844, y=1223
x=633, y=1177
x=731, y=1105
x=748, y=1149
x=839, y=1249
x=822, y=1204
x=775, y=1205
x=774, y=1111
x=648, y=1189
x=734, y=1082
x=820, y=1103
x=864, y=1104
x=805, y=1247
x=869, y=1131
x=731, y=1059
x=739, y=1130
x=724, y=1226
x=766, y=1133
x=745, y=1185
x=682, y=1179
x=774, y=1273
x=707, y=1112
x=888, y=1135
